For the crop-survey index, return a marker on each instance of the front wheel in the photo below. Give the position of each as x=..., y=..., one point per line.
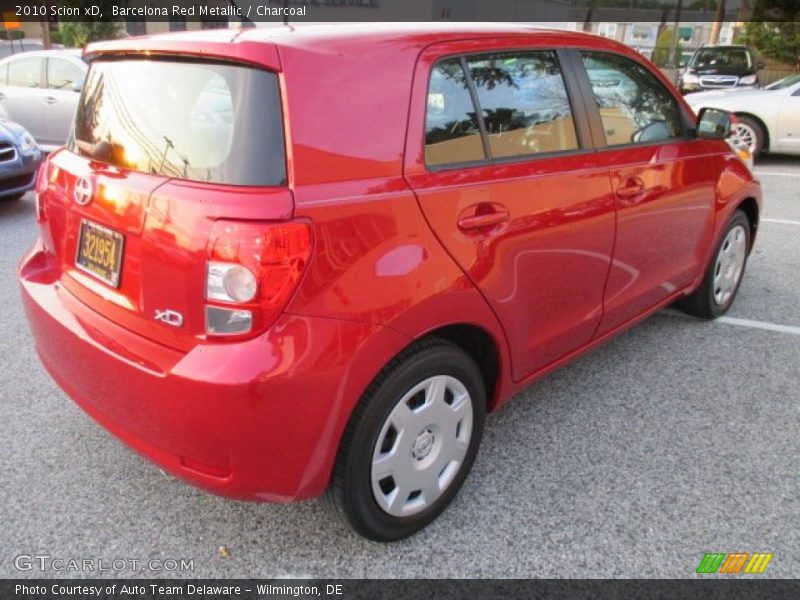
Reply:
x=410, y=442
x=724, y=275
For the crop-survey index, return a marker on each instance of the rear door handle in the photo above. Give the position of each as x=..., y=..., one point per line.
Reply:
x=483, y=216
x=50, y=100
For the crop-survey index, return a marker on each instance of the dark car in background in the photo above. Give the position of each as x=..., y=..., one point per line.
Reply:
x=20, y=156
x=720, y=67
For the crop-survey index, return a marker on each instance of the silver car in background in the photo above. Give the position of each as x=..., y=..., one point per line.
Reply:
x=40, y=91
x=768, y=119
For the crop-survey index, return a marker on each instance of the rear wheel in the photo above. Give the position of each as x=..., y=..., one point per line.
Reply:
x=410, y=443
x=724, y=275
x=748, y=133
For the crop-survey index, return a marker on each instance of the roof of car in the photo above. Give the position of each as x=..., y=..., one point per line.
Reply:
x=408, y=37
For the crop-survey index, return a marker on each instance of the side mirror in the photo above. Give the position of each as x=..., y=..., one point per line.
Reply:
x=682, y=64
x=714, y=124
x=760, y=65
x=77, y=86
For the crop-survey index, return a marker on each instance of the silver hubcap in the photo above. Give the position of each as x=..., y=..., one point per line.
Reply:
x=743, y=136
x=730, y=264
x=422, y=445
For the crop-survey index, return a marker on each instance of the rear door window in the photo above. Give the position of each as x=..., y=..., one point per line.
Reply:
x=524, y=103
x=452, y=133
x=198, y=120
x=504, y=105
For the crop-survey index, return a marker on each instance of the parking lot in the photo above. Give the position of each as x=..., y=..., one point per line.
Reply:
x=678, y=438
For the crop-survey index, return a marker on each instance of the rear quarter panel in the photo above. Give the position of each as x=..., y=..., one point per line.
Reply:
x=375, y=258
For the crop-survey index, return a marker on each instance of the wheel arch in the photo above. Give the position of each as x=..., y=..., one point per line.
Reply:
x=749, y=207
x=479, y=344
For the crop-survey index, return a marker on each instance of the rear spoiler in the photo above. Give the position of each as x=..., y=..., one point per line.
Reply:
x=260, y=54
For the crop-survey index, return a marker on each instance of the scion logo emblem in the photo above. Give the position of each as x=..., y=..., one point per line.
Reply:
x=83, y=191
x=170, y=317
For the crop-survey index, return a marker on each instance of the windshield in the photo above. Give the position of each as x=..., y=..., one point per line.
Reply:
x=737, y=58
x=784, y=83
x=197, y=120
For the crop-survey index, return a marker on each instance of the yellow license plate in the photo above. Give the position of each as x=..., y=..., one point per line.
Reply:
x=100, y=252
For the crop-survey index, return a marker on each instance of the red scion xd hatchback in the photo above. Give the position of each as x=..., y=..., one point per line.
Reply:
x=307, y=261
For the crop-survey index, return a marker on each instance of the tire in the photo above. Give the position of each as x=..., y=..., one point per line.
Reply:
x=724, y=274
x=750, y=134
x=410, y=442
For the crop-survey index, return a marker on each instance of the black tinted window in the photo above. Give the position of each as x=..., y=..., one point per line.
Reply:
x=634, y=106
x=452, y=134
x=524, y=103
x=190, y=120
x=25, y=72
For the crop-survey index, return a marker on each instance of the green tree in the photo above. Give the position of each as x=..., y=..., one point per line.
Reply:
x=662, y=54
x=779, y=40
x=77, y=34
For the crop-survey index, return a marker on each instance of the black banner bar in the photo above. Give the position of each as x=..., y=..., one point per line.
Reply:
x=374, y=589
x=255, y=11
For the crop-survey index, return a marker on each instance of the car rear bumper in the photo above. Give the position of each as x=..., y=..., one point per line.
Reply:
x=253, y=420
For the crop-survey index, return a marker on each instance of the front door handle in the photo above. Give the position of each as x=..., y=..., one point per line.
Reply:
x=50, y=100
x=2, y=96
x=633, y=187
x=483, y=216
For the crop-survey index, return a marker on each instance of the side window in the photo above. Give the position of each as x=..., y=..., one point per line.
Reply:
x=524, y=103
x=452, y=134
x=25, y=72
x=634, y=106
x=62, y=74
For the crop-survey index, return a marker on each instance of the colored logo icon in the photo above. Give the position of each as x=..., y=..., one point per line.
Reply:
x=735, y=563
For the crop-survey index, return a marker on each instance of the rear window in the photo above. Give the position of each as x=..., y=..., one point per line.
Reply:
x=199, y=121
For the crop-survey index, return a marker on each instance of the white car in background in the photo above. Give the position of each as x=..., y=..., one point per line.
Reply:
x=40, y=91
x=768, y=118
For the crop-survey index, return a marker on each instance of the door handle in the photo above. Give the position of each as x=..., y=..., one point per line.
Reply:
x=50, y=100
x=2, y=96
x=633, y=187
x=483, y=216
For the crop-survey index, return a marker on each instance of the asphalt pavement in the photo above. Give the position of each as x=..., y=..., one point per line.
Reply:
x=678, y=438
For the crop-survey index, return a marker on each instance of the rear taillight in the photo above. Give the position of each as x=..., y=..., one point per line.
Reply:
x=252, y=270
